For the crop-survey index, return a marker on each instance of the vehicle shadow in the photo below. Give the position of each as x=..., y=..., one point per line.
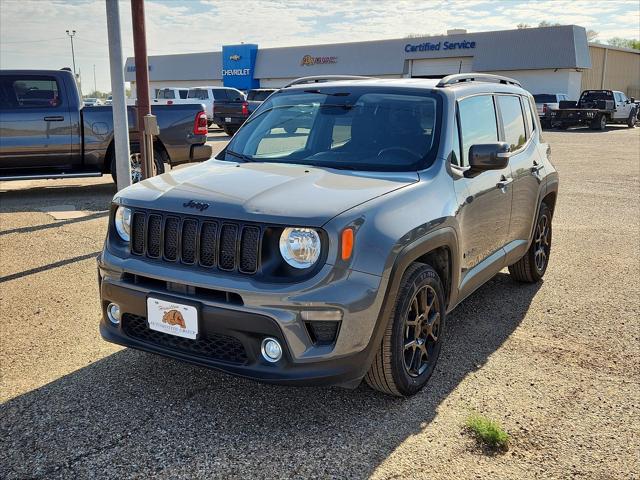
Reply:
x=133, y=414
x=38, y=196
x=586, y=129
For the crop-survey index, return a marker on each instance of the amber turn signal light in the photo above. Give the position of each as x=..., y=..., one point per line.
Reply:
x=347, y=243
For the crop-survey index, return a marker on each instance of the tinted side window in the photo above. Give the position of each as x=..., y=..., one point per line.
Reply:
x=477, y=122
x=199, y=93
x=220, y=94
x=183, y=93
x=512, y=121
x=456, y=157
x=32, y=92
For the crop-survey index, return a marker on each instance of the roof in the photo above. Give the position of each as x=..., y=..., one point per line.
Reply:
x=563, y=47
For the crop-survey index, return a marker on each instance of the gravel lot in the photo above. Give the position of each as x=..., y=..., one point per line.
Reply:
x=557, y=363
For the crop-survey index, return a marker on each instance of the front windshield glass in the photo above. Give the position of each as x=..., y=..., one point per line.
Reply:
x=352, y=128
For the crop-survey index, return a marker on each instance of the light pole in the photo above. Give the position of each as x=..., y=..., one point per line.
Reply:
x=73, y=55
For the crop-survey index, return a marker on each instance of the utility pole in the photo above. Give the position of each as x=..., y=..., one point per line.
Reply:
x=72, y=34
x=142, y=86
x=95, y=88
x=119, y=102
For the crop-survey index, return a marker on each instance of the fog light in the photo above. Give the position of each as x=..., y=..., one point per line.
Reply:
x=271, y=350
x=113, y=312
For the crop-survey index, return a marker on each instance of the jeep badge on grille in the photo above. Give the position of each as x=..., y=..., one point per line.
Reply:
x=197, y=205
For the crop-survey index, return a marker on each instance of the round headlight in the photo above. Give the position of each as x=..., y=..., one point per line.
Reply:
x=123, y=223
x=300, y=247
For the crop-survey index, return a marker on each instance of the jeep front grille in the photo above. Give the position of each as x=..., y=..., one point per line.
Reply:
x=209, y=243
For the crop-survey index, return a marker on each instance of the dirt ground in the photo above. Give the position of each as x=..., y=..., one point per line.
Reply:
x=556, y=363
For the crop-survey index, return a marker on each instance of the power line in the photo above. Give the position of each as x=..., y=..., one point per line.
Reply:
x=36, y=41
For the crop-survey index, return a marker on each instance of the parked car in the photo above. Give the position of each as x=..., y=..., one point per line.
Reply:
x=47, y=133
x=208, y=96
x=171, y=96
x=333, y=252
x=109, y=100
x=548, y=101
x=596, y=108
x=92, y=102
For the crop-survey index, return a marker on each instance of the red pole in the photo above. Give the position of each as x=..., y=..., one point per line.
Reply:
x=142, y=81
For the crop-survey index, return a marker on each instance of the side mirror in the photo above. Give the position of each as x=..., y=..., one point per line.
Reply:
x=488, y=156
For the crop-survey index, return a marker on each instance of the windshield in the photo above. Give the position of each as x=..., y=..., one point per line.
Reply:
x=258, y=95
x=353, y=128
x=592, y=95
x=544, y=98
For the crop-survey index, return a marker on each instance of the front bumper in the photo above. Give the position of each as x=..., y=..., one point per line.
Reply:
x=244, y=324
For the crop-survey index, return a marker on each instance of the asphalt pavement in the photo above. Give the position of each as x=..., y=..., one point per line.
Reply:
x=556, y=362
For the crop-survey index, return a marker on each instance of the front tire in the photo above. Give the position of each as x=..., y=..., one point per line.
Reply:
x=532, y=266
x=631, y=121
x=413, y=337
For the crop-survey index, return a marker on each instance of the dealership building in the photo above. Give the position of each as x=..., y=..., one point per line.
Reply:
x=545, y=60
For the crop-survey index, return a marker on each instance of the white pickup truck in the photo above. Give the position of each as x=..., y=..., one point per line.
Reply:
x=170, y=96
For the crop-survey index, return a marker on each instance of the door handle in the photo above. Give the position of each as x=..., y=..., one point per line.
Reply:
x=54, y=118
x=504, y=182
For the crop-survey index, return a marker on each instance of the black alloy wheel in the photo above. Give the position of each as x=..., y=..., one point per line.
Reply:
x=533, y=265
x=422, y=330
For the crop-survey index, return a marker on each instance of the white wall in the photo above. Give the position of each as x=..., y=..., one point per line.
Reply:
x=547, y=81
x=441, y=66
x=281, y=82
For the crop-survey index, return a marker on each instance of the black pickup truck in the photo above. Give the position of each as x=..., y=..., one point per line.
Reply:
x=595, y=108
x=232, y=113
x=46, y=133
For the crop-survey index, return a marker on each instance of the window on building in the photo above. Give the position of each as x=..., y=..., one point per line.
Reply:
x=30, y=92
x=477, y=123
x=512, y=121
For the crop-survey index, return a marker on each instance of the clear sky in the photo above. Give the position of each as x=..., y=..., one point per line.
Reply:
x=32, y=32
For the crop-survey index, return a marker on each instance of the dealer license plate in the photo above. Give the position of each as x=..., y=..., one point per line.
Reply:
x=172, y=318
x=227, y=119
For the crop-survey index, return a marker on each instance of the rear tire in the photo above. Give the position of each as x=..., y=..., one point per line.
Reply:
x=599, y=123
x=532, y=266
x=413, y=337
x=158, y=160
x=230, y=130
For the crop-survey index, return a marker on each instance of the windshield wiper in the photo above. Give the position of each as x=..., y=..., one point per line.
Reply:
x=241, y=156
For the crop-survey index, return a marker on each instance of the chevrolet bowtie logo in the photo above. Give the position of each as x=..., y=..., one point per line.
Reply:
x=235, y=57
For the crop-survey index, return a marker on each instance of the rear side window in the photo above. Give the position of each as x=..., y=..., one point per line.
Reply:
x=199, y=93
x=477, y=122
x=258, y=95
x=166, y=93
x=512, y=121
x=183, y=93
x=33, y=91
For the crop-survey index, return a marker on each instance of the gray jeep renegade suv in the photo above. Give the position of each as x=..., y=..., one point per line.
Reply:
x=328, y=241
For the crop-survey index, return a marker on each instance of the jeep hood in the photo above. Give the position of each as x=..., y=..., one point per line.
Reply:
x=262, y=192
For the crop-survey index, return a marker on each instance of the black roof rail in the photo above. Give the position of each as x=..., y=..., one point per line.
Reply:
x=476, y=77
x=324, y=78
